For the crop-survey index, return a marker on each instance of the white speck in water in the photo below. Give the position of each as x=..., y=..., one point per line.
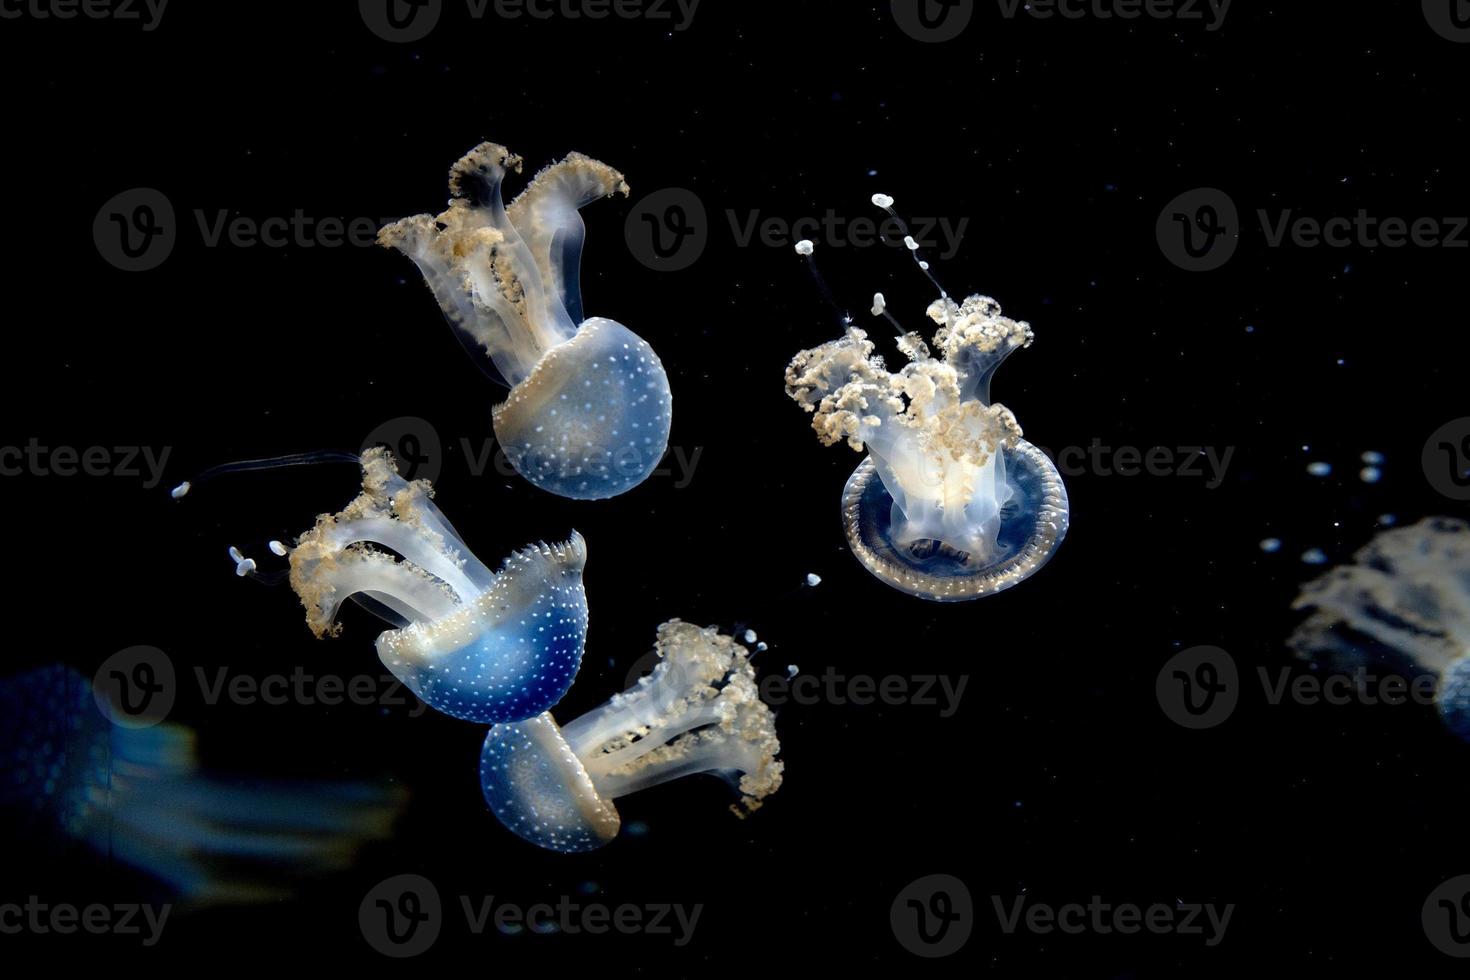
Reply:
x=181, y=491
x=1271, y=545
x=1319, y=469
x=1314, y=556
x=813, y=579
x=1370, y=474
x=805, y=247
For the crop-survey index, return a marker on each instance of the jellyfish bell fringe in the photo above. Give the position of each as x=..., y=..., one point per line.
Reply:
x=698, y=712
x=474, y=644
x=589, y=409
x=950, y=502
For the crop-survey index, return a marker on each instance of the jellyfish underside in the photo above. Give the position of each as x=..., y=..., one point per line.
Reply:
x=474, y=644
x=950, y=503
x=698, y=712
x=589, y=410
x=1404, y=601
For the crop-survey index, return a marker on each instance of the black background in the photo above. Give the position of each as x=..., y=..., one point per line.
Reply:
x=1062, y=141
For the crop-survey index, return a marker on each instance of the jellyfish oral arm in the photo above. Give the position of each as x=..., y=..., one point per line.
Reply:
x=507, y=277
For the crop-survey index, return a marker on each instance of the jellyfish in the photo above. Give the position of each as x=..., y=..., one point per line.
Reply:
x=474, y=644
x=698, y=712
x=141, y=797
x=950, y=502
x=589, y=407
x=1404, y=600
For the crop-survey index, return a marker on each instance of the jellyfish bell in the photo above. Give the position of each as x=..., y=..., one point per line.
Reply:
x=698, y=712
x=589, y=408
x=474, y=644
x=1404, y=601
x=950, y=502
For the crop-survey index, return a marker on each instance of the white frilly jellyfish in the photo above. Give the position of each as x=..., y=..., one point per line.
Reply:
x=698, y=711
x=589, y=408
x=1404, y=600
x=950, y=503
x=478, y=645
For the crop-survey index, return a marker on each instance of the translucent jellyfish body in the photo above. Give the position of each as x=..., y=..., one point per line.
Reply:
x=1404, y=601
x=950, y=503
x=698, y=711
x=475, y=644
x=589, y=408
x=141, y=797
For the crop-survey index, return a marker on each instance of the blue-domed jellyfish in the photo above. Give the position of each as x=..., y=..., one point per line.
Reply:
x=950, y=502
x=140, y=796
x=698, y=712
x=589, y=408
x=1403, y=602
x=478, y=645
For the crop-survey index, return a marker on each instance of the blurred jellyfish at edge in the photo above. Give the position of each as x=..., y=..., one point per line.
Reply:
x=950, y=502
x=699, y=711
x=138, y=796
x=474, y=644
x=1404, y=602
x=589, y=408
